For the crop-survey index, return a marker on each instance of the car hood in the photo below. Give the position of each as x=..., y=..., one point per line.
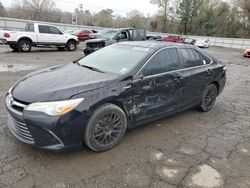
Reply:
x=71, y=36
x=59, y=83
x=96, y=40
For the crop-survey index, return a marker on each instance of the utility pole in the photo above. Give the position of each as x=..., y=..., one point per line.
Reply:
x=81, y=12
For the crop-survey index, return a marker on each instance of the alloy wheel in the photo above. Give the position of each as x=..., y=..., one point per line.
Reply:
x=108, y=129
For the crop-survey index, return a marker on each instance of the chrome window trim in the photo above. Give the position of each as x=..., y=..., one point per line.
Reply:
x=137, y=75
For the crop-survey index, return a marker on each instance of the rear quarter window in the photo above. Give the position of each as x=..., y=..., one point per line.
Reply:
x=29, y=27
x=190, y=57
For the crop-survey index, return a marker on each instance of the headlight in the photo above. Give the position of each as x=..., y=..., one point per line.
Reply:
x=56, y=108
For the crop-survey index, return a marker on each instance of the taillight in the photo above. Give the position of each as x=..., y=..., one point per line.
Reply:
x=6, y=35
x=225, y=69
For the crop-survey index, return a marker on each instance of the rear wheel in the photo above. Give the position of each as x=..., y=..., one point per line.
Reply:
x=14, y=47
x=71, y=45
x=106, y=128
x=24, y=46
x=208, y=98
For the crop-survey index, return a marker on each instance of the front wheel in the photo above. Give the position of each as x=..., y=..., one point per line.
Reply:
x=106, y=128
x=71, y=45
x=208, y=98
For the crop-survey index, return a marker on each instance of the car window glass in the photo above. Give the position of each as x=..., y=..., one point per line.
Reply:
x=191, y=58
x=43, y=29
x=164, y=61
x=54, y=30
x=29, y=27
x=205, y=60
x=118, y=59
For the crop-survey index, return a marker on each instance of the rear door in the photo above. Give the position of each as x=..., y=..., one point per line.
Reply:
x=196, y=75
x=158, y=86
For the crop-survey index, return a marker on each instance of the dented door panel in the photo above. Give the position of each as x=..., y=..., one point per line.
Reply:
x=157, y=95
x=195, y=82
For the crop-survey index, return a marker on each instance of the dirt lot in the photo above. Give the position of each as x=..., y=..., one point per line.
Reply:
x=191, y=149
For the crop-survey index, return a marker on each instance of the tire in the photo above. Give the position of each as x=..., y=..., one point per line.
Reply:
x=24, y=46
x=14, y=47
x=71, y=45
x=208, y=98
x=101, y=134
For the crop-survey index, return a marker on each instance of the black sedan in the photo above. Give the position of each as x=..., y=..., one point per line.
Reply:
x=94, y=100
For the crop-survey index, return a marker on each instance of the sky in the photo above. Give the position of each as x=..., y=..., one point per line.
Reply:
x=119, y=7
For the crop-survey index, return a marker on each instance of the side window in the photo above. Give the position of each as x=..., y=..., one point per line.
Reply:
x=205, y=60
x=54, y=30
x=191, y=58
x=43, y=29
x=29, y=27
x=164, y=61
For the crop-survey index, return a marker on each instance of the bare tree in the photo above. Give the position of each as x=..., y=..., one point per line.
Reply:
x=136, y=19
x=37, y=9
x=163, y=4
x=2, y=10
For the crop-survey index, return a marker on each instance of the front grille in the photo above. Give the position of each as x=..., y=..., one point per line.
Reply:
x=95, y=45
x=20, y=130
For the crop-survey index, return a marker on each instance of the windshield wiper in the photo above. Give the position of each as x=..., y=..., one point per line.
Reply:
x=89, y=67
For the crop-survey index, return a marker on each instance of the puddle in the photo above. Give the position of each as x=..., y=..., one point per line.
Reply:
x=16, y=67
x=207, y=177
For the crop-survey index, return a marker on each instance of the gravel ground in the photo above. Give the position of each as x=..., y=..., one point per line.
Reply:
x=191, y=149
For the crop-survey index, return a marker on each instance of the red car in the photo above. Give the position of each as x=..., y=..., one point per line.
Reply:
x=173, y=38
x=84, y=34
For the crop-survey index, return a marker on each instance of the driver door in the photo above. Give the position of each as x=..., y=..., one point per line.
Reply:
x=158, y=86
x=59, y=37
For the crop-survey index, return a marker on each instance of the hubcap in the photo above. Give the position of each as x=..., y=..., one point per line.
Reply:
x=25, y=47
x=71, y=46
x=107, y=129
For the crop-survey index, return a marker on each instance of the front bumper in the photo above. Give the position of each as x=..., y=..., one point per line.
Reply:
x=88, y=51
x=51, y=133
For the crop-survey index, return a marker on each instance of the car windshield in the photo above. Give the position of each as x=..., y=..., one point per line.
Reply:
x=118, y=59
x=109, y=34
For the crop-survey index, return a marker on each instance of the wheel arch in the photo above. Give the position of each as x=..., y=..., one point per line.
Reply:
x=216, y=84
x=114, y=102
x=25, y=38
x=72, y=39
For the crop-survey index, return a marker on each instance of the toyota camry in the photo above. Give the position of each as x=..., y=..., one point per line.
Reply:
x=94, y=100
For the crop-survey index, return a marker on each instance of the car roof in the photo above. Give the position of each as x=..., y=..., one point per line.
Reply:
x=155, y=45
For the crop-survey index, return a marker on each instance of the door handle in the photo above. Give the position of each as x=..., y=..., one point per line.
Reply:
x=209, y=71
x=178, y=78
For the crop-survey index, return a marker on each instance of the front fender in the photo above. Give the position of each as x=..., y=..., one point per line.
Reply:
x=118, y=94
